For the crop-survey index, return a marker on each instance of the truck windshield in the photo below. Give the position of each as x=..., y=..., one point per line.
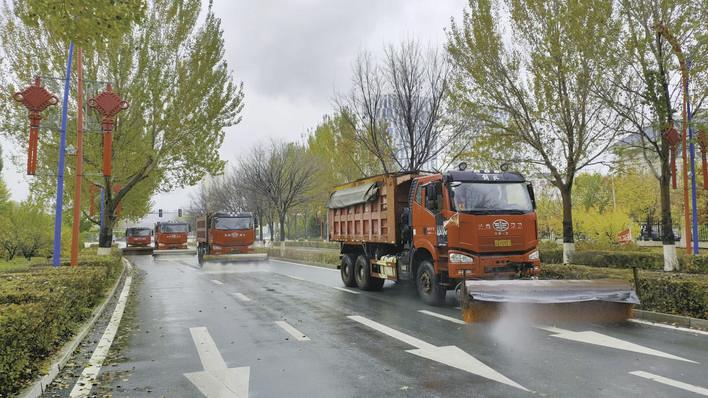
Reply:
x=138, y=232
x=173, y=228
x=233, y=223
x=490, y=197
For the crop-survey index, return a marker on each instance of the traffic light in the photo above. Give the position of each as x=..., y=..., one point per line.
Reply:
x=159, y=213
x=179, y=212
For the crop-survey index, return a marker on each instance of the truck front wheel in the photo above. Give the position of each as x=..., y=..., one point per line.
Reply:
x=362, y=274
x=347, y=270
x=428, y=284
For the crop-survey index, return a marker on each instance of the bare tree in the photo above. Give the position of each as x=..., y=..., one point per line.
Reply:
x=283, y=173
x=399, y=109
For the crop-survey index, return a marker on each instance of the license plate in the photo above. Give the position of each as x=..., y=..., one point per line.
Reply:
x=502, y=243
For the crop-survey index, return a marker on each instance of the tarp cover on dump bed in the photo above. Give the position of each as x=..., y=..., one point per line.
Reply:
x=353, y=196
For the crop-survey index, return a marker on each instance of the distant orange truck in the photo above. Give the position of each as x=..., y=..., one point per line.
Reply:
x=225, y=233
x=171, y=235
x=138, y=237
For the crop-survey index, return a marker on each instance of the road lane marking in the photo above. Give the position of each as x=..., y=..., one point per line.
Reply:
x=305, y=265
x=241, y=297
x=216, y=380
x=449, y=355
x=441, y=316
x=214, y=281
x=595, y=338
x=293, y=332
x=346, y=290
x=671, y=382
x=670, y=327
x=83, y=385
x=294, y=277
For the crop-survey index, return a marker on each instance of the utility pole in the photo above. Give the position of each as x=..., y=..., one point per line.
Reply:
x=79, y=158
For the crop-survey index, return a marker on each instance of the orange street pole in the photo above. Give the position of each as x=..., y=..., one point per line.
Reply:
x=79, y=160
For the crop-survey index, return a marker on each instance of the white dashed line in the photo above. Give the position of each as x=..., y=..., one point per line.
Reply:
x=441, y=316
x=241, y=296
x=214, y=281
x=346, y=290
x=293, y=332
x=671, y=382
x=665, y=326
x=294, y=277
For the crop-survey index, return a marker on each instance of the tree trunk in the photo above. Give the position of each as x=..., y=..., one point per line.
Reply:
x=105, y=237
x=667, y=230
x=281, y=219
x=568, y=239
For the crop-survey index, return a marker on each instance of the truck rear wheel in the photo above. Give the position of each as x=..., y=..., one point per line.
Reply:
x=362, y=274
x=427, y=283
x=347, y=270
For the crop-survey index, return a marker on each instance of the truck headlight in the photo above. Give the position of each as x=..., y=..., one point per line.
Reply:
x=534, y=255
x=461, y=258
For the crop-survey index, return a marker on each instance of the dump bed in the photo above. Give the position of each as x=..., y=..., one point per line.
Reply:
x=369, y=210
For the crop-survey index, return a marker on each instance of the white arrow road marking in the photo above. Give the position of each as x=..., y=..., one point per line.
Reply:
x=671, y=382
x=345, y=290
x=595, y=338
x=293, y=332
x=241, y=297
x=216, y=380
x=214, y=281
x=447, y=355
x=441, y=316
x=83, y=385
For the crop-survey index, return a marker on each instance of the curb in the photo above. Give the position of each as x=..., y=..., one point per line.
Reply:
x=676, y=320
x=37, y=388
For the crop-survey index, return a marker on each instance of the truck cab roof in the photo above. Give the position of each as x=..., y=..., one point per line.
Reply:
x=473, y=176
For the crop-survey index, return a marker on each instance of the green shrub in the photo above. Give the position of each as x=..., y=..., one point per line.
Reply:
x=320, y=244
x=325, y=257
x=551, y=256
x=40, y=310
x=679, y=294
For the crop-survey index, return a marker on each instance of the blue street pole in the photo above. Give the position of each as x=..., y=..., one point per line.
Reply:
x=60, y=164
x=693, y=168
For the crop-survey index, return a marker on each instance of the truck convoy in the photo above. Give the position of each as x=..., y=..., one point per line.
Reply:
x=171, y=235
x=459, y=230
x=226, y=235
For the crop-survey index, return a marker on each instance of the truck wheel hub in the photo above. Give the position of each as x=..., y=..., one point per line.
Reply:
x=425, y=282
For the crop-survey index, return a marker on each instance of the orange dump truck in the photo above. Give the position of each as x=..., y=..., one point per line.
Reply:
x=445, y=231
x=222, y=233
x=138, y=237
x=171, y=235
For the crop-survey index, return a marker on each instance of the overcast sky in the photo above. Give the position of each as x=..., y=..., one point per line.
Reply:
x=292, y=56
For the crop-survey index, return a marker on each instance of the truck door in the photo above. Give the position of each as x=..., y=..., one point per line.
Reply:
x=425, y=214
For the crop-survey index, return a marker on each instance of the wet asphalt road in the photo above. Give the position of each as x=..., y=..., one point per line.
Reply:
x=239, y=304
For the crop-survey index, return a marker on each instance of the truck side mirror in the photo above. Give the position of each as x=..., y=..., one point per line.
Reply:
x=529, y=187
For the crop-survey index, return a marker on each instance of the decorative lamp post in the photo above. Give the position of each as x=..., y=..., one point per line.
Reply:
x=673, y=137
x=36, y=99
x=107, y=104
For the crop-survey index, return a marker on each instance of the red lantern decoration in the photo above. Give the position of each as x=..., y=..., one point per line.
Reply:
x=703, y=143
x=673, y=137
x=36, y=99
x=107, y=104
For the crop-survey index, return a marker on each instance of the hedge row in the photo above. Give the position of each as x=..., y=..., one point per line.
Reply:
x=320, y=244
x=651, y=261
x=41, y=309
x=679, y=294
x=325, y=257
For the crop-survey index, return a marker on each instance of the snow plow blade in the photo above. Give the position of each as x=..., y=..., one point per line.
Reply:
x=138, y=250
x=235, y=257
x=601, y=300
x=174, y=251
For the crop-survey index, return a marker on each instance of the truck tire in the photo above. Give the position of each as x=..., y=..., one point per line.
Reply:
x=347, y=270
x=427, y=283
x=362, y=275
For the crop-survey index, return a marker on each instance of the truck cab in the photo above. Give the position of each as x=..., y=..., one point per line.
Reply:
x=138, y=237
x=226, y=233
x=171, y=235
